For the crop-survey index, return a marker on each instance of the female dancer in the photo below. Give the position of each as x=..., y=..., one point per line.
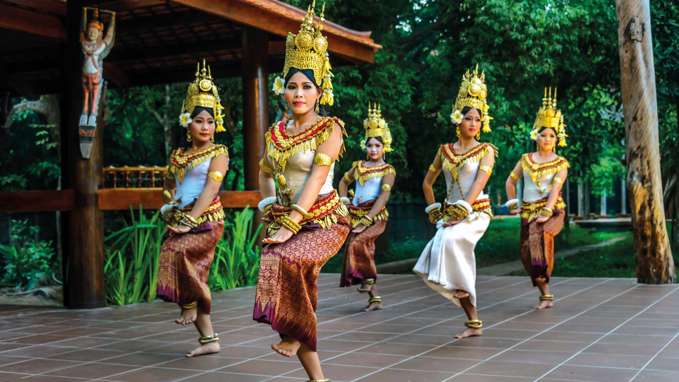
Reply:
x=374, y=179
x=542, y=210
x=194, y=214
x=308, y=222
x=447, y=263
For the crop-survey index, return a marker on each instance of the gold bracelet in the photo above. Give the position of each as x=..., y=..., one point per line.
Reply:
x=557, y=180
x=305, y=214
x=321, y=159
x=513, y=176
x=290, y=224
x=386, y=187
x=188, y=220
x=487, y=169
x=217, y=176
x=435, y=215
x=433, y=168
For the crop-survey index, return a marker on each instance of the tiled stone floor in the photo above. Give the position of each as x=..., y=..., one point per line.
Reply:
x=600, y=330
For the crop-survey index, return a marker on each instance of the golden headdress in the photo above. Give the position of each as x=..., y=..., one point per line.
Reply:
x=376, y=126
x=202, y=92
x=472, y=93
x=550, y=117
x=308, y=50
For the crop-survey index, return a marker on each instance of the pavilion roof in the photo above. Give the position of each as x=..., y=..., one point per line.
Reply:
x=158, y=41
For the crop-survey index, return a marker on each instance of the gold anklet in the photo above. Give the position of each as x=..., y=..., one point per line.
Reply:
x=375, y=299
x=189, y=306
x=204, y=340
x=547, y=297
x=474, y=324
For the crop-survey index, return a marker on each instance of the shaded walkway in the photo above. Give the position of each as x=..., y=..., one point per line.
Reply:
x=601, y=330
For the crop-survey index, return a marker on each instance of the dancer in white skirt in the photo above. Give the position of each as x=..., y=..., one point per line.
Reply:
x=447, y=263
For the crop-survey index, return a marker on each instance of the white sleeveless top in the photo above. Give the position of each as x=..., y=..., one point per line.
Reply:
x=190, y=188
x=538, y=178
x=460, y=170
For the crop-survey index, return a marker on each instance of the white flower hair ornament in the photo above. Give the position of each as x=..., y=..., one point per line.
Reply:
x=184, y=120
x=279, y=85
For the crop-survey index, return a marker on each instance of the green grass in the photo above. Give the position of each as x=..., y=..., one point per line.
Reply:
x=615, y=260
x=499, y=244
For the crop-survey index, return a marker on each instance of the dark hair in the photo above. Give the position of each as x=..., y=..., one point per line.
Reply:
x=543, y=128
x=466, y=110
x=307, y=72
x=378, y=138
x=198, y=109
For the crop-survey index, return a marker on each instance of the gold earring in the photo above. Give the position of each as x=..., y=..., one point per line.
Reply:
x=478, y=135
x=188, y=136
x=457, y=130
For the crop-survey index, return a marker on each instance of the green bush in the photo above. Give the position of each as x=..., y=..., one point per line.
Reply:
x=132, y=253
x=28, y=261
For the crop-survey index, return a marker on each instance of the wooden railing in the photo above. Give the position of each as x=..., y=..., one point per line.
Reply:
x=133, y=177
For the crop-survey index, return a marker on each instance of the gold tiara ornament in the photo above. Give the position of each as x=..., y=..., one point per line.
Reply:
x=376, y=126
x=473, y=94
x=202, y=92
x=550, y=117
x=308, y=50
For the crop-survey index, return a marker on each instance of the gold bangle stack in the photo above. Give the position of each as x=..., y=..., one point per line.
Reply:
x=474, y=324
x=366, y=221
x=513, y=206
x=458, y=212
x=435, y=215
x=290, y=224
x=547, y=297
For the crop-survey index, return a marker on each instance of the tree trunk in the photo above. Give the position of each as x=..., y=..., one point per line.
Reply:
x=603, y=208
x=623, y=196
x=655, y=264
x=581, y=198
x=588, y=198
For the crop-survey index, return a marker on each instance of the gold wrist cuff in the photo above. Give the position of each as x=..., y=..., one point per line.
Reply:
x=322, y=159
x=305, y=214
x=188, y=221
x=546, y=212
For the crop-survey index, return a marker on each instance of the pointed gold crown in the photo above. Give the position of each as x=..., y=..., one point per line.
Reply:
x=550, y=117
x=472, y=93
x=376, y=126
x=308, y=49
x=203, y=92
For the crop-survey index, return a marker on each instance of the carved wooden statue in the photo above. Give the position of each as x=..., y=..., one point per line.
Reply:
x=95, y=47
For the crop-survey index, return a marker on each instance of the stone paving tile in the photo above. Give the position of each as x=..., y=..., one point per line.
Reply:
x=600, y=330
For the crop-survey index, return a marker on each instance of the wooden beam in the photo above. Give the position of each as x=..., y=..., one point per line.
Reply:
x=117, y=199
x=255, y=101
x=31, y=22
x=56, y=7
x=36, y=201
x=279, y=19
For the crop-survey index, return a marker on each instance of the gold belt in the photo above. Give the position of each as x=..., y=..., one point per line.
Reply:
x=357, y=212
x=531, y=210
x=481, y=205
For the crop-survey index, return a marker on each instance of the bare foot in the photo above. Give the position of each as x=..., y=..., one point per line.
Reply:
x=187, y=317
x=287, y=347
x=377, y=305
x=544, y=305
x=211, y=348
x=469, y=333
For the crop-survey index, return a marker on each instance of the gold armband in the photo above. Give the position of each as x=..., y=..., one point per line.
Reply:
x=347, y=178
x=557, y=180
x=290, y=224
x=513, y=176
x=433, y=168
x=322, y=159
x=305, y=214
x=217, y=176
x=487, y=169
x=386, y=187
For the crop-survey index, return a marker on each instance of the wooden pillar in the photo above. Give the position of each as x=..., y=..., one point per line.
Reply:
x=637, y=75
x=83, y=233
x=255, y=101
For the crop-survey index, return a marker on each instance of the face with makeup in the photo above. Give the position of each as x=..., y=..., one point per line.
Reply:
x=546, y=140
x=471, y=124
x=202, y=128
x=301, y=94
x=375, y=149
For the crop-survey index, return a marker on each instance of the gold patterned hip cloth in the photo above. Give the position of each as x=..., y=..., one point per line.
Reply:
x=184, y=265
x=287, y=291
x=537, y=240
x=359, y=255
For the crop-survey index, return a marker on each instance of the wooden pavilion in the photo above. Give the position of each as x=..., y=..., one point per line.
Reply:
x=157, y=41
